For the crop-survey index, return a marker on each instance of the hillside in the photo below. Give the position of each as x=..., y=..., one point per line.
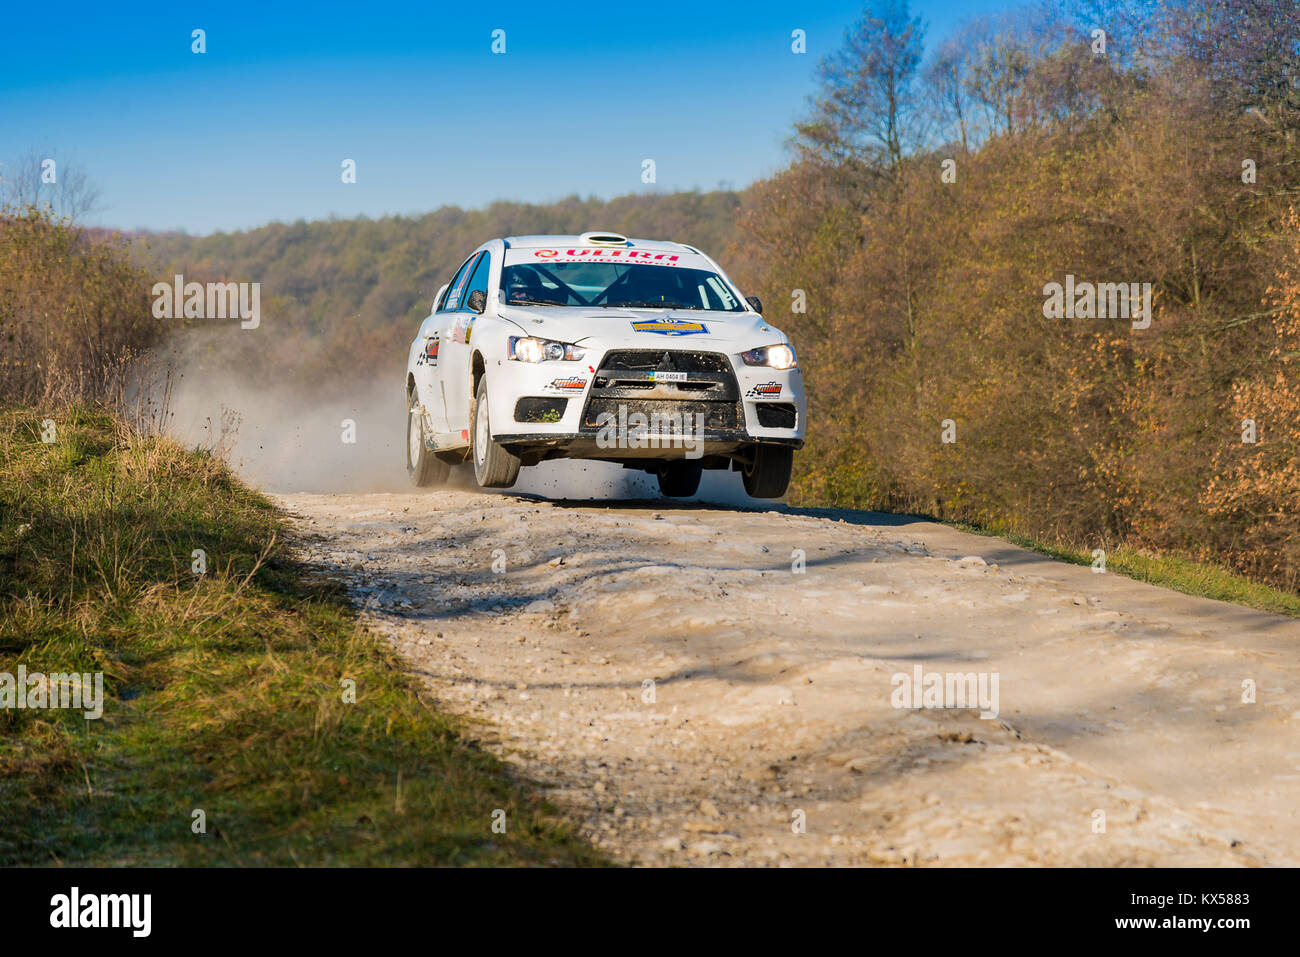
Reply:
x=358, y=288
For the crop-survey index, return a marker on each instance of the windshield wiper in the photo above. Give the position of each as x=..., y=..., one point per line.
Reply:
x=646, y=304
x=529, y=301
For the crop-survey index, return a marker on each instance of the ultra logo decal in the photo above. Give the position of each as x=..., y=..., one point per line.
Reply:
x=577, y=255
x=766, y=390
x=671, y=327
x=571, y=384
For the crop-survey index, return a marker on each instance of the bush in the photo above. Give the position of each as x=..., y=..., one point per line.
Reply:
x=74, y=309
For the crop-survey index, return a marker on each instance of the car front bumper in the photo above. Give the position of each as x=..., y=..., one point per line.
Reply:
x=618, y=409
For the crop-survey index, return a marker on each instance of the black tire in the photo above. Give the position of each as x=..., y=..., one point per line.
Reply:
x=680, y=478
x=768, y=476
x=494, y=465
x=423, y=467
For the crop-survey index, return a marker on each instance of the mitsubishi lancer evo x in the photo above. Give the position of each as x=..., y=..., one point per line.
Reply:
x=601, y=347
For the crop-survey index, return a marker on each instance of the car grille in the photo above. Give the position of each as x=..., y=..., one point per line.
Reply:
x=701, y=383
x=670, y=360
x=722, y=416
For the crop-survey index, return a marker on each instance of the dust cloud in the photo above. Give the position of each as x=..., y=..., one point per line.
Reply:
x=288, y=430
x=294, y=430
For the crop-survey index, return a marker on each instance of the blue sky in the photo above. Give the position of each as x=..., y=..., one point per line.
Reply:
x=256, y=128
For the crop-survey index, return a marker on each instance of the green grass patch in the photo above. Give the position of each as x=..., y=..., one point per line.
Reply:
x=223, y=691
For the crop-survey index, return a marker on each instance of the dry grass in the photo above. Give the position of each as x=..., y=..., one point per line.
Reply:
x=223, y=690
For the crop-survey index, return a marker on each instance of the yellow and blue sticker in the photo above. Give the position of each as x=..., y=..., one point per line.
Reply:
x=670, y=327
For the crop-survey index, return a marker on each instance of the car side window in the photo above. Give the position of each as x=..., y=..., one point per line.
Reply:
x=480, y=278
x=717, y=296
x=455, y=293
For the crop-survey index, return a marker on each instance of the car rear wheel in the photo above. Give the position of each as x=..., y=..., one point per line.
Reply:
x=422, y=466
x=768, y=475
x=494, y=465
x=679, y=479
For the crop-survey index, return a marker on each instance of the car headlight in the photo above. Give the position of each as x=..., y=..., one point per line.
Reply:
x=779, y=356
x=532, y=349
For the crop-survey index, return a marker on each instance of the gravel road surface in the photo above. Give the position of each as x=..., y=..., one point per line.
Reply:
x=703, y=685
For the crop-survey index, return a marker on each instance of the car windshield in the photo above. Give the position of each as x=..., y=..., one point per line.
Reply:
x=618, y=285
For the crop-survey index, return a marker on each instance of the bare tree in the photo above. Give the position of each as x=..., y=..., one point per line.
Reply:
x=45, y=182
x=1000, y=64
x=1249, y=50
x=866, y=107
x=947, y=77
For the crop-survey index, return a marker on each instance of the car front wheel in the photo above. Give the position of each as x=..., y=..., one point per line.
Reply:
x=494, y=465
x=768, y=474
x=423, y=467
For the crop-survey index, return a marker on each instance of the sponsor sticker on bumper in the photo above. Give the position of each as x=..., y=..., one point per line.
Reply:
x=569, y=384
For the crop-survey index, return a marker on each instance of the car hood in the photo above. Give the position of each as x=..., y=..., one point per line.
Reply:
x=649, y=328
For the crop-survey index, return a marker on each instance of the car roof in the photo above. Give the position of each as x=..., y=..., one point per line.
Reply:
x=543, y=242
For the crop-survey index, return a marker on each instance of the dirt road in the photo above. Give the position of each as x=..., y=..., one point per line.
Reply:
x=693, y=693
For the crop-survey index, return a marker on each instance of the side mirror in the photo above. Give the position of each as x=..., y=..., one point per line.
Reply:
x=477, y=301
x=755, y=303
x=438, y=298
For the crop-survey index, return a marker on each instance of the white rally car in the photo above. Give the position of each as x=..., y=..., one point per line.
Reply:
x=601, y=347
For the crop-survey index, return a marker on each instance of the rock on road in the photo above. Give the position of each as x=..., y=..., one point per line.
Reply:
x=664, y=674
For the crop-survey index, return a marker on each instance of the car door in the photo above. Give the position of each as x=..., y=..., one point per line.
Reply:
x=423, y=367
x=436, y=332
x=456, y=350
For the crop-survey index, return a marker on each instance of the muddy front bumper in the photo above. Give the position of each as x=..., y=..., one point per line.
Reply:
x=656, y=404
